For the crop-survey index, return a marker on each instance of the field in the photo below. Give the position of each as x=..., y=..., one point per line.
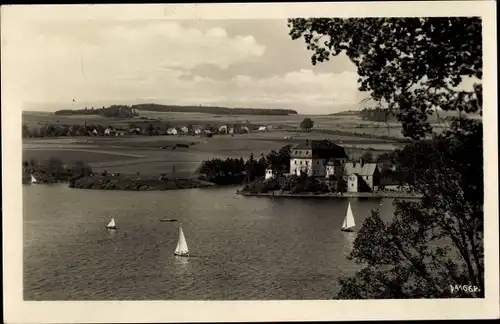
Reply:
x=153, y=155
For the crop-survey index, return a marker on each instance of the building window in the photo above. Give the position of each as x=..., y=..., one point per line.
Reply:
x=300, y=162
x=295, y=161
x=307, y=162
x=317, y=162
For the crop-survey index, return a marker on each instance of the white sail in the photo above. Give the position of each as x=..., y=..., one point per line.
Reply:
x=182, y=247
x=33, y=180
x=349, y=218
x=111, y=223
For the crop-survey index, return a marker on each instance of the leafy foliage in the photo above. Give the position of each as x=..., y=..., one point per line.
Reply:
x=233, y=171
x=412, y=64
x=213, y=110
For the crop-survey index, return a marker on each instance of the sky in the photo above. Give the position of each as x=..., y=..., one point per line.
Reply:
x=234, y=63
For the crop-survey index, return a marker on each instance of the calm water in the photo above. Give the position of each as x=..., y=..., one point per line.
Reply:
x=242, y=247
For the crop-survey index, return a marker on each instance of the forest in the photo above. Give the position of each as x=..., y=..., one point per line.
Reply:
x=122, y=111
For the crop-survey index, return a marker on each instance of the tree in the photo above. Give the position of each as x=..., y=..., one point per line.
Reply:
x=55, y=166
x=307, y=124
x=250, y=168
x=279, y=161
x=150, y=129
x=414, y=66
x=33, y=162
x=81, y=169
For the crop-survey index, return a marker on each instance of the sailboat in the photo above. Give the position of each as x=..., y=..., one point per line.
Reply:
x=348, y=220
x=33, y=180
x=111, y=224
x=168, y=220
x=182, y=247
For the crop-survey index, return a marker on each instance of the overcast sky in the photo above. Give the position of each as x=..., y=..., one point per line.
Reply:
x=234, y=63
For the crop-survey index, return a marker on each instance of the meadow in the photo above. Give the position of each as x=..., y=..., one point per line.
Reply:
x=154, y=155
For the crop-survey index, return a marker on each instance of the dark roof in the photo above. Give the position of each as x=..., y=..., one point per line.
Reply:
x=320, y=148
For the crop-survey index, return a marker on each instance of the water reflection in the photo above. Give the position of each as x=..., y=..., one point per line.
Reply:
x=182, y=261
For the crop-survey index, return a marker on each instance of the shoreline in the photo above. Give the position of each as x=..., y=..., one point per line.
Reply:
x=380, y=194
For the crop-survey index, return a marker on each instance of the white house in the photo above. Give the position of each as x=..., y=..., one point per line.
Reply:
x=352, y=183
x=231, y=130
x=94, y=132
x=312, y=157
x=223, y=129
x=184, y=129
x=172, y=131
x=262, y=128
x=269, y=173
x=198, y=131
x=245, y=129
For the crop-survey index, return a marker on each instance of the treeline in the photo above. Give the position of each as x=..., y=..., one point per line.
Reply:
x=377, y=114
x=58, y=130
x=237, y=170
x=213, y=110
x=115, y=111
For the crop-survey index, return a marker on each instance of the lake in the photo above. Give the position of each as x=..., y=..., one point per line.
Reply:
x=242, y=248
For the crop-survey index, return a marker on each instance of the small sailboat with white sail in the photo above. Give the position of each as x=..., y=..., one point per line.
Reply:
x=33, y=180
x=111, y=224
x=348, y=220
x=182, y=247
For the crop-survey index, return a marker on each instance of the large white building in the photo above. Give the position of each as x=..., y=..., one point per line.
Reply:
x=313, y=156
